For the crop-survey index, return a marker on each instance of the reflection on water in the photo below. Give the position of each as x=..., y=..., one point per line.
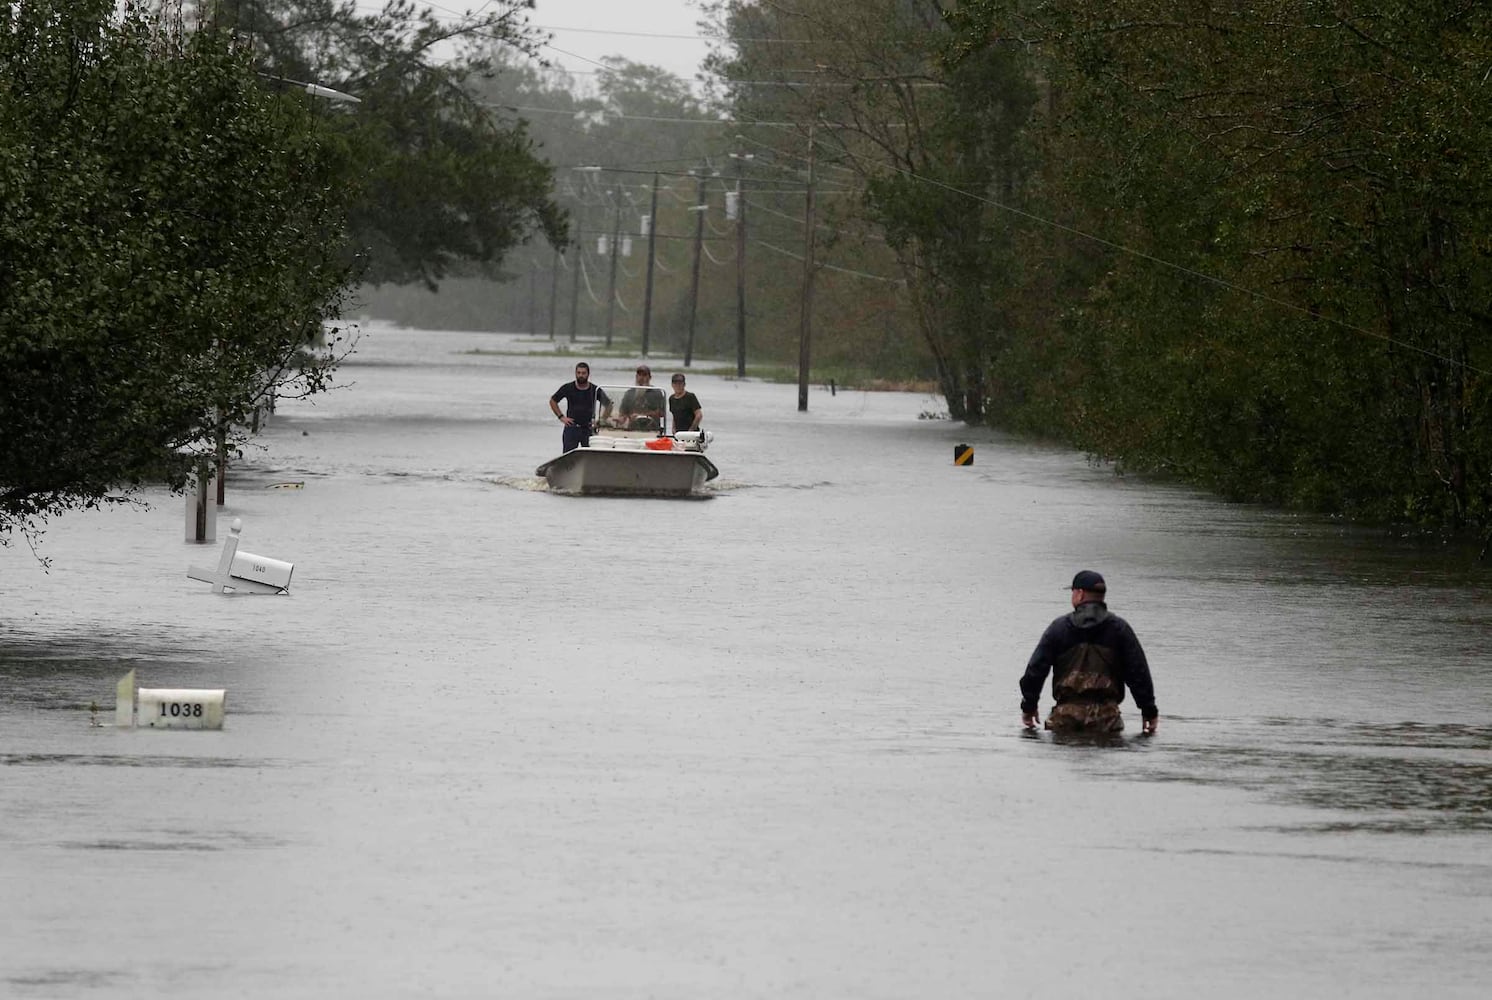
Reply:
x=65, y=981
x=125, y=760
x=177, y=840
x=1410, y=778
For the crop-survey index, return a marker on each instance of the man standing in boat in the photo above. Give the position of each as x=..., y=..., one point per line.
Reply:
x=642, y=405
x=1093, y=656
x=684, y=406
x=581, y=398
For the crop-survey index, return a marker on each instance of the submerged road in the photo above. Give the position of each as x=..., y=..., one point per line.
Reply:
x=499, y=742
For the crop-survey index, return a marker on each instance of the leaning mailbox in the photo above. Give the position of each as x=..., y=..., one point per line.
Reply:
x=244, y=572
x=261, y=570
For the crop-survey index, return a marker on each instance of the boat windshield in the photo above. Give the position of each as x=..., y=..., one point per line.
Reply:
x=635, y=411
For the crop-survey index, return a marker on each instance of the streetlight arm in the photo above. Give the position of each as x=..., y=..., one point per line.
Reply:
x=314, y=89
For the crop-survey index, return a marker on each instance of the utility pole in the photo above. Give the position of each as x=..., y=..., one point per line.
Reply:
x=575, y=286
x=699, y=242
x=647, y=298
x=554, y=270
x=615, y=250
x=741, y=265
x=579, y=244
x=533, y=297
x=805, y=327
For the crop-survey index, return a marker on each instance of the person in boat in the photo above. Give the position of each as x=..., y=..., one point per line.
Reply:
x=1093, y=655
x=581, y=398
x=684, y=406
x=642, y=405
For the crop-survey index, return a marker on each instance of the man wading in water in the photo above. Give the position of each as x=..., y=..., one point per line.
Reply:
x=1093, y=656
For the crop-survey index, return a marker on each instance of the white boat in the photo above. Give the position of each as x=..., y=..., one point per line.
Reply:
x=631, y=455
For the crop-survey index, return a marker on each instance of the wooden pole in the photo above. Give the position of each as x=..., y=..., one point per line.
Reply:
x=533, y=298
x=222, y=450
x=647, y=298
x=554, y=270
x=615, y=250
x=740, y=268
x=575, y=288
x=699, y=242
x=805, y=320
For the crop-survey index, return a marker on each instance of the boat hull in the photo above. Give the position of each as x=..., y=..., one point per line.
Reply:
x=628, y=473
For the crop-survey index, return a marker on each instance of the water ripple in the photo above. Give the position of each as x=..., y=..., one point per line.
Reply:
x=1406, y=779
x=109, y=760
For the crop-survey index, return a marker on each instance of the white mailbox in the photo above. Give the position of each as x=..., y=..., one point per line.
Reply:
x=168, y=708
x=180, y=708
x=261, y=569
x=244, y=572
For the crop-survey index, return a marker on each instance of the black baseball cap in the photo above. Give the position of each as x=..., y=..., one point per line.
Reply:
x=1088, y=580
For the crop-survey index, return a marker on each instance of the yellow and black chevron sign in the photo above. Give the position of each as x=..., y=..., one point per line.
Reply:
x=963, y=454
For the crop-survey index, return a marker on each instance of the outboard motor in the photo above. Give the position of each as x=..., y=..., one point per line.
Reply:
x=694, y=440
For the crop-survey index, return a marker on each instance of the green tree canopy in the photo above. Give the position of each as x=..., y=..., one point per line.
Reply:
x=171, y=236
x=1286, y=296
x=451, y=182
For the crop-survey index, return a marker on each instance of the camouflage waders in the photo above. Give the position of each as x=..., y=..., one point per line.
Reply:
x=1085, y=717
x=1088, y=692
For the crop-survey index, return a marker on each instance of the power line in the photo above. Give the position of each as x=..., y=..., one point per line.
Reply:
x=603, y=113
x=452, y=15
x=829, y=267
x=980, y=198
x=718, y=263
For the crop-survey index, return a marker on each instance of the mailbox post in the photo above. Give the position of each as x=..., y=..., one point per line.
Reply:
x=201, y=515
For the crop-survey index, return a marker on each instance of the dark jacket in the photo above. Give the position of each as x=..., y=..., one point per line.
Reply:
x=1093, y=656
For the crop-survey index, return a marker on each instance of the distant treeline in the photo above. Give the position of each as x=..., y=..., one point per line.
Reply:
x=1247, y=246
x=641, y=161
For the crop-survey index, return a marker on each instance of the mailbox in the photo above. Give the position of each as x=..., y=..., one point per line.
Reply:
x=260, y=569
x=168, y=708
x=180, y=708
x=244, y=572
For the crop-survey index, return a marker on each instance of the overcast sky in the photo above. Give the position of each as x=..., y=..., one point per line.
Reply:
x=643, y=31
x=655, y=32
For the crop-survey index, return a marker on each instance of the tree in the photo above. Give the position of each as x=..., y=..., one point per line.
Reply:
x=171, y=237
x=926, y=133
x=451, y=182
x=1299, y=312
x=631, y=119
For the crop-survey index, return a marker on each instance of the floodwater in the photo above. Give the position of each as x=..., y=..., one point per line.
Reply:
x=502, y=742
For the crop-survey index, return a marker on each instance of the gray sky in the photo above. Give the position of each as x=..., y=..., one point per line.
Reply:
x=643, y=31
x=655, y=32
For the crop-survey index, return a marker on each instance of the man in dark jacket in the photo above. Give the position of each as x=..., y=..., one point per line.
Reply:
x=1093, y=656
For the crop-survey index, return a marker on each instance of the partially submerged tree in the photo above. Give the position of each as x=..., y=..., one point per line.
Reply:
x=1289, y=297
x=171, y=237
x=176, y=223
x=880, y=98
